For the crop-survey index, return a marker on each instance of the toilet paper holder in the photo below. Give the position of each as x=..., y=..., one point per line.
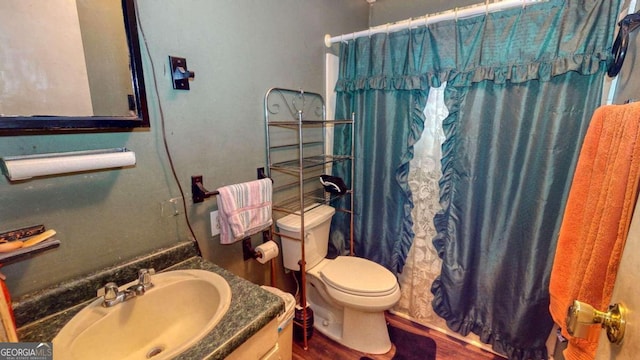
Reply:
x=248, y=251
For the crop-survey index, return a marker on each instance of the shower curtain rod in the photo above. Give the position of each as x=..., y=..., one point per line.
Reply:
x=410, y=23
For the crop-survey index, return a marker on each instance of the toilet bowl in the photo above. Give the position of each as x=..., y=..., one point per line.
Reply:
x=349, y=303
x=348, y=294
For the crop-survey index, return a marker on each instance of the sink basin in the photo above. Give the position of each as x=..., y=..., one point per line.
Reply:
x=182, y=307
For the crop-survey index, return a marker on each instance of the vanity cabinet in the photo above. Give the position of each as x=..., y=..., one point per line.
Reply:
x=263, y=345
x=300, y=149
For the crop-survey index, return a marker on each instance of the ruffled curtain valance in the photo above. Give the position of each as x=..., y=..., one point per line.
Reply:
x=513, y=45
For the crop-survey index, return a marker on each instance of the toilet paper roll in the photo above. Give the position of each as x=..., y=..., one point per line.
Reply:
x=268, y=251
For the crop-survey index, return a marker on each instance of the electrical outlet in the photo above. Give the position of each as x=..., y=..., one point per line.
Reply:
x=215, y=225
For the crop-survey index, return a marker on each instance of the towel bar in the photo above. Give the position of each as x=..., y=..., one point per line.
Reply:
x=199, y=192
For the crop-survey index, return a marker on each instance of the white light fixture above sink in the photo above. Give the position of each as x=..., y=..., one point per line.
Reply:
x=28, y=166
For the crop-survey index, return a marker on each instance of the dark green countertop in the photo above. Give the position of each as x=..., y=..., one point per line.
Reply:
x=41, y=316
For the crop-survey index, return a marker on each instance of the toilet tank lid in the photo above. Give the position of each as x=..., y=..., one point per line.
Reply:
x=316, y=215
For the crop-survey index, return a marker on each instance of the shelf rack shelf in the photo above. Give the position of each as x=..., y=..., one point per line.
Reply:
x=297, y=153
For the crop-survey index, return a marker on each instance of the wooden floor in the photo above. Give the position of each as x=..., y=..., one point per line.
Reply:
x=448, y=348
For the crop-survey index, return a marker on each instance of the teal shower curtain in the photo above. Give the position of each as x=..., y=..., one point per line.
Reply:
x=521, y=87
x=380, y=194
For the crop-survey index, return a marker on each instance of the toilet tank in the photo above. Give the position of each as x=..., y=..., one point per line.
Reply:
x=317, y=222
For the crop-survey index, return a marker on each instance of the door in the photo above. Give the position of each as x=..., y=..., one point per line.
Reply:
x=626, y=292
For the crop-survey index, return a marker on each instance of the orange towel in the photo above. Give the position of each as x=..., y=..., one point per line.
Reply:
x=597, y=218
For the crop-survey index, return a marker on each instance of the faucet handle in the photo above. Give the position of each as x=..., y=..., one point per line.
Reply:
x=109, y=291
x=144, y=277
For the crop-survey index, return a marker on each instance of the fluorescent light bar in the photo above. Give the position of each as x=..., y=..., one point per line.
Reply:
x=29, y=166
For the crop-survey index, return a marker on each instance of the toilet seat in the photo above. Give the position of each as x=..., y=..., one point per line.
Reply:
x=358, y=276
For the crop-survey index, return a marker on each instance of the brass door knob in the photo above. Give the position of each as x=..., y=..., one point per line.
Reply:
x=581, y=316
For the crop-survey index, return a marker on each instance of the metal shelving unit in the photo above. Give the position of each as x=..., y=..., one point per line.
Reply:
x=296, y=150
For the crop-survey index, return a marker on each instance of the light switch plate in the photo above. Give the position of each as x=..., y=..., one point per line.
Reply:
x=215, y=225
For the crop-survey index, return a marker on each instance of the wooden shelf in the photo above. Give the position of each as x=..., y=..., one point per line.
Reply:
x=26, y=253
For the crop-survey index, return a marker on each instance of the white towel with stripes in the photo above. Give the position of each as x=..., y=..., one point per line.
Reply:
x=244, y=209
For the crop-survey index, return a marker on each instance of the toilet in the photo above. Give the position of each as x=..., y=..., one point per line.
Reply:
x=348, y=294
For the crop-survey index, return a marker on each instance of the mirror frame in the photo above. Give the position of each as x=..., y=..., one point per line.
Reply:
x=21, y=125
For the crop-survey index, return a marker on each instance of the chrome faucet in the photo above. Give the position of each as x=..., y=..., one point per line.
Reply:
x=112, y=296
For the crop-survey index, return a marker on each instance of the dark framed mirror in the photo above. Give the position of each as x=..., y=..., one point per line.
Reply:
x=77, y=70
